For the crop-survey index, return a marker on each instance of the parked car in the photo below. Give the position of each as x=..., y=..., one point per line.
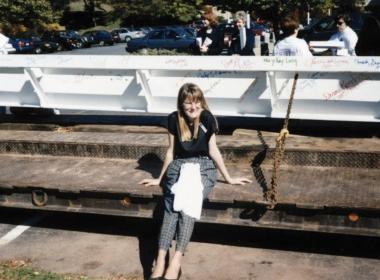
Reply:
x=43, y=46
x=22, y=45
x=89, y=38
x=7, y=49
x=82, y=41
x=101, y=37
x=65, y=42
x=28, y=42
x=126, y=34
x=170, y=38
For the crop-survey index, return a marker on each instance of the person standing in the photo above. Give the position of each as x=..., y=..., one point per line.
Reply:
x=243, y=40
x=291, y=45
x=209, y=41
x=188, y=174
x=346, y=35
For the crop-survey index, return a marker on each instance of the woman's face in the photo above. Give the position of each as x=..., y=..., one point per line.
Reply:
x=192, y=108
x=206, y=23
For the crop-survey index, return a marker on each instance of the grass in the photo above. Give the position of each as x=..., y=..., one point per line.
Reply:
x=23, y=270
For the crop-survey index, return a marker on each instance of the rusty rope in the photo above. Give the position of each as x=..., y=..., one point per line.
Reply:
x=271, y=193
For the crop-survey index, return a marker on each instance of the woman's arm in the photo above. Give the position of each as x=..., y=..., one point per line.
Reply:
x=167, y=161
x=218, y=159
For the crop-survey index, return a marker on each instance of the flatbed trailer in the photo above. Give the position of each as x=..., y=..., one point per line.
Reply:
x=324, y=184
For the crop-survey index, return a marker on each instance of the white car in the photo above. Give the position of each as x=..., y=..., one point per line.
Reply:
x=127, y=34
x=7, y=49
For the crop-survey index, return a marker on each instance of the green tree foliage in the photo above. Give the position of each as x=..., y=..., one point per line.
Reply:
x=31, y=14
x=274, y=7
x=153, y=12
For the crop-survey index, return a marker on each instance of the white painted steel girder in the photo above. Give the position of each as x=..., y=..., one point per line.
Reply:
x=328, y=88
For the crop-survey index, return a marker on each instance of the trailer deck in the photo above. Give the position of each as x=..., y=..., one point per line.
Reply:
x=325, y=184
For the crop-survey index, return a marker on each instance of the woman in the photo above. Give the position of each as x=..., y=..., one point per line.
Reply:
x=243, y=40
x=192, y=140
x=209, y=40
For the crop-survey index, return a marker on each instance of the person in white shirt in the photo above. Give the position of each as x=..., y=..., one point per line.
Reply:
x=291, y=45
x=346, y=35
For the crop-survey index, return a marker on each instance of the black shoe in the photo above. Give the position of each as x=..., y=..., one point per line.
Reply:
x=155, y=278
x=179, y=276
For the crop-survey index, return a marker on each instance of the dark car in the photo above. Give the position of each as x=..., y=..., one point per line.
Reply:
x=64, y=41
x=169, y=38
x=43, y=46
x=101, y=37
x=82, y=41
x=33, y=44
x=22, y=45
x=323, y=29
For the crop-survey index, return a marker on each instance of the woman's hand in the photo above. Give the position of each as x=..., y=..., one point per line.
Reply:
x=203, y=49
x=238, y=181
x=150, y=182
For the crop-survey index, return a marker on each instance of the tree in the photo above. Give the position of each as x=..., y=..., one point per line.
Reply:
x=90, y=6
x=22, y=14
x=144, y=12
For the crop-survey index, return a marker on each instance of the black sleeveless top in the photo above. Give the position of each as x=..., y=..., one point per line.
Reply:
x=196, y=147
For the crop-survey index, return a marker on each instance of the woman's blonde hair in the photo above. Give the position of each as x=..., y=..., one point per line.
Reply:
x=189, y=93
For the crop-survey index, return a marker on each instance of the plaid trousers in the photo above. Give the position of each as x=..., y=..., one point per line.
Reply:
x=178, y=223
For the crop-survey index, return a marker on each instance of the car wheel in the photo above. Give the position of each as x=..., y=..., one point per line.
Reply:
x=60, y=48
x=144, y=50
x=38, y=50
x=101, y=43
x=127, y=39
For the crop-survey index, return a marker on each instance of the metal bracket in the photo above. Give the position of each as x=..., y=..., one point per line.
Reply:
x=273, y=89
x=143, y=77
x=32, y=76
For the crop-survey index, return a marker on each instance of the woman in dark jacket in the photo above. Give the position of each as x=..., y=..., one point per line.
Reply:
x=209, y=38
x=242, y=46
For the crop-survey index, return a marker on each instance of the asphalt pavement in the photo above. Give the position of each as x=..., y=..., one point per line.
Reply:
x=104, y=246
x=116, y=49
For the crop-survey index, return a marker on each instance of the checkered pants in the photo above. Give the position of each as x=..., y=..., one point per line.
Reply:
x=178, y=223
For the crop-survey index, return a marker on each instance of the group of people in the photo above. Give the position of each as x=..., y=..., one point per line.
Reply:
x=189, y=171
x=210, y=38
x=293, y=46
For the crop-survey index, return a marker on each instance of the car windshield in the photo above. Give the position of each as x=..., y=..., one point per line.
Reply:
x=325, y=24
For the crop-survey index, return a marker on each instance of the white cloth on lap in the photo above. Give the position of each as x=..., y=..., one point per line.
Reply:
x=188, y=191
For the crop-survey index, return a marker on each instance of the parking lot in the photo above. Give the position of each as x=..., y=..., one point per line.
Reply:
x=116, y=49
x=104, y=246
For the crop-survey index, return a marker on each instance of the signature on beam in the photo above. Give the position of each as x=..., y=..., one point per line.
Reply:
x=346, y=87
